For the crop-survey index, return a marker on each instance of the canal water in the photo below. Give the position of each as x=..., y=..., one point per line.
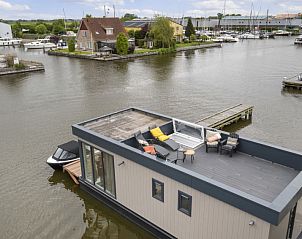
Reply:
x=38, y=109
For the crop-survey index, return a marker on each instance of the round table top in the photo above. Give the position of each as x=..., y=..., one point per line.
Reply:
x=189, y=152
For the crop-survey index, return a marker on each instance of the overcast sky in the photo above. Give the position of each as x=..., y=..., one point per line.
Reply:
x=33, y=9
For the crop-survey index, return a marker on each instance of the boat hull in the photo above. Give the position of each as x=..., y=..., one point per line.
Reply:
x=55, y=164
x=14, y=43
x=39, y=47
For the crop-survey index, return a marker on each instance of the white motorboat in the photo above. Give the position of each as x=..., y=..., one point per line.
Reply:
x=282, y=33
x=9, y=42
x=227, y=38
x=40, y=44
x=65, y=153
x=249, y=36
x=298, y=40
x=62, y=44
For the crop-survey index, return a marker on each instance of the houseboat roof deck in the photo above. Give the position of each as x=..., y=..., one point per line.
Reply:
x=257, y=177
x=260, y=178
x=123, y=124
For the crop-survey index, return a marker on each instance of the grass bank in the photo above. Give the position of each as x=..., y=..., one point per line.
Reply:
x=74, y=53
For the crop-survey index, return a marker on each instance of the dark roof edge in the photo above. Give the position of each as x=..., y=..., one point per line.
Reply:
x=250, y=204
x=124, y=110
x=287, y=199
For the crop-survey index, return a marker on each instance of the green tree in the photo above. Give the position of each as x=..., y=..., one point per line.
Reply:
x=189, y=29
x=131, y=34
x=41, y=29
x=58, y=27
x=17, y=29
x=128, y=17
x=193, y=37
x=71, y=45
x=161, y=32
x=204, y=37
x=122, y=44
x=88, y=16
x=219, y=16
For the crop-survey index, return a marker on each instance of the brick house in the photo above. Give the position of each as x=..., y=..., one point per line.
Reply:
x=94, y=33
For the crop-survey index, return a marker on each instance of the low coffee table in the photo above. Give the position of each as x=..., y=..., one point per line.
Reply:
x=189, y=152
x=227, y=148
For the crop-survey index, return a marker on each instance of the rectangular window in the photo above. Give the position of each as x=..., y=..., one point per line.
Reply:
x=158, y=190
x=109, y=31
x=87, y=162
x=84, y=34
x=98, y=168
x=109, y=174
x=184, y=203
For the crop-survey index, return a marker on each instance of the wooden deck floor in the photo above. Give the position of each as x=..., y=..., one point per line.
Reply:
x=252, y=175
x=227, y=116
x=74, y=170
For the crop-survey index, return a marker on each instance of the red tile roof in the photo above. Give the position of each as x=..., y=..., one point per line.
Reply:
x=97, y=27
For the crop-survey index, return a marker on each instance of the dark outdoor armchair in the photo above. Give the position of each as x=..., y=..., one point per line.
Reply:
x=212, y=140
x=230, y=144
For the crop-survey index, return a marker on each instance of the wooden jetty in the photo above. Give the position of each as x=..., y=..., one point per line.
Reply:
x=294, y=82
x=74, y=170
x=227, y=116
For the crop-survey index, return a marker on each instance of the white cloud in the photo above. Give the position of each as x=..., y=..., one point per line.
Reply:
x=139, y=12
x=5, y=5
x=290, y=7
x=212, y=7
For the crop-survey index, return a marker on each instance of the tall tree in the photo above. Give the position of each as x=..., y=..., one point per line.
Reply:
x=219, y=16
x=122, y=44
x=189, y=29
x=41, y=29
x=162, y=32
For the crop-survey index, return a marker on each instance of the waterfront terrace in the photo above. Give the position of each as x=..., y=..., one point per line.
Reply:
x=260, y=184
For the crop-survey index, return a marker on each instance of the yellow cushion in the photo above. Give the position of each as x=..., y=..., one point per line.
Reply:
x=163, y=137
x=156, y=132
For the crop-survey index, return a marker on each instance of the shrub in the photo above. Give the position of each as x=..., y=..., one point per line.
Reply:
x=193, y=37
x=71, y=45
x=9, y=60
x=140, y=42
x=19, y=66
x=122, y=44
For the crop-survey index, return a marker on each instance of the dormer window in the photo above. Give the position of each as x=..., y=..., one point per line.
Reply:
x=109, y=31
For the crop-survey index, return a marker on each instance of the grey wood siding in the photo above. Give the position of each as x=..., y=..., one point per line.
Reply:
x=210, y=219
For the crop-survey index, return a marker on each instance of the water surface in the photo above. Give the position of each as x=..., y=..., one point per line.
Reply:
x=38, y=109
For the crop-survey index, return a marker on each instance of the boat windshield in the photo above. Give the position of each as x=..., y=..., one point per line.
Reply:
x=61, y=154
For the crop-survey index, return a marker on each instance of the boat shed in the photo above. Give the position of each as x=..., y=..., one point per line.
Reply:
x=5, y=30
x=255, y=194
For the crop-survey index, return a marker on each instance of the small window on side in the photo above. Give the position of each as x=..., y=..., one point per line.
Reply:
x=158, y=190
x=184, y=203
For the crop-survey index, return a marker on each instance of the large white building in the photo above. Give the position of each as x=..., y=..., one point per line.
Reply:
x=5, y=30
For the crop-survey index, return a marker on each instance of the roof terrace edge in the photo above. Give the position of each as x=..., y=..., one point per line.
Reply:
x=124, y=110
x=262, y=209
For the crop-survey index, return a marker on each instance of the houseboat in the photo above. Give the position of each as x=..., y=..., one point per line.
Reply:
x=190, y=191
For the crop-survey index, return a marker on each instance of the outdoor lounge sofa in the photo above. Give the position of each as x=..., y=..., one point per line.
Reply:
x=150, y=146
x=162, y=138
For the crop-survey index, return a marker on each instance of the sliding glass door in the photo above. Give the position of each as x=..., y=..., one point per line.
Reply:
x=98, y=169
x=87, y=162
x=109, y=174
